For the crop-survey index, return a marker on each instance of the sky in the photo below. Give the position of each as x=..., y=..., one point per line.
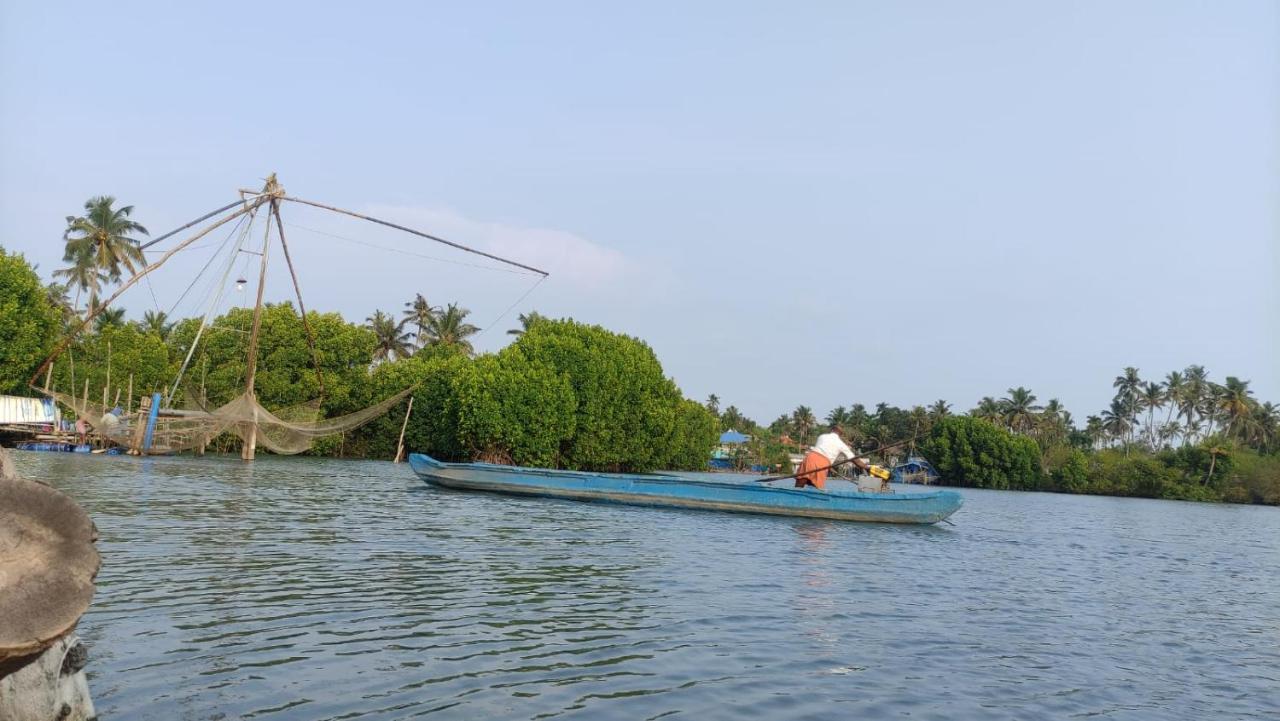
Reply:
x=793, y=203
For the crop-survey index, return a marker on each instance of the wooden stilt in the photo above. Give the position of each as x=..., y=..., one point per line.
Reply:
x=251, y=432
x=403, y=426
x=129, y=399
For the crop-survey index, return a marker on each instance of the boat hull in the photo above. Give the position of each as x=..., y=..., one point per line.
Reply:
x=669, y=491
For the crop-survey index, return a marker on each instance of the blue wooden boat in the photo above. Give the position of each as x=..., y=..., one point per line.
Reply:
x=671, y=491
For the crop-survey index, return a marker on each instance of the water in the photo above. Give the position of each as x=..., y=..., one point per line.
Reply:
x=311, y=589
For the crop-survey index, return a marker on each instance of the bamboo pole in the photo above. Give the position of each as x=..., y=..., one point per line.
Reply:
x=302, y=309
x=251, y=433
x=419, y=233
x=48, y=377
x=403, y=426
x=129, y=283
x=129, y=400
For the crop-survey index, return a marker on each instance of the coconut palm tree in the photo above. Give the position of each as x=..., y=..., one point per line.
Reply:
x=59, y=298
x=449, y=328
x=803, y=422
x=1116, y=422
x=1174, y=388
x=940, y=409
x=1127, y=385
x=157, y=322
x=1267, y=425
x=390, y=340
x=1236, y=404
x=1093, y=428
x=988, y=410
x=1195, y=386
x=419, y=313
x=104, y=234
x=527, y=321
x=1151, y=396
x=84, y=276
x=109, y=318
x=1018, y=409
x=713, y=400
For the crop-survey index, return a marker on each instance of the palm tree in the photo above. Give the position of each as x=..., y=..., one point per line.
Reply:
x=419, y=312
x=940, y=409
x=103, y=234
x=1126, y=386
x=1019, y=408
x=1174, y=387
x=1151, y=396
x=157, y=322
x=109, y=318
x=526, y=322
x=988, y=410
x=1193, y=394
x=1267, y=425
x=57, y=295
x=391, y=342
x=732, y=418
x=803, y=421
x=84, y=276
x=448, y=328
x=1093, y=428
x=1116, y=422
x=1236, y=403
x=713, y=400
x=837, y=416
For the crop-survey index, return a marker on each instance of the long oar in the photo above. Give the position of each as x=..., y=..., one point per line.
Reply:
x=833, y=465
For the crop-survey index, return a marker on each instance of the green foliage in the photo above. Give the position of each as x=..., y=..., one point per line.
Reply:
x=972, y=452
x=28, y=323
x=626, y=407
x=1068, y=469
x=514, y=410
x=694, y=434
x=433, y=427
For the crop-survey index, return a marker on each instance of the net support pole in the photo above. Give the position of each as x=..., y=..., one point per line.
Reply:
x=250, y=445
x=403, y=426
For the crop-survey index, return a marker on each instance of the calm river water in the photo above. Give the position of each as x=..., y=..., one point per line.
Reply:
x=296, y=588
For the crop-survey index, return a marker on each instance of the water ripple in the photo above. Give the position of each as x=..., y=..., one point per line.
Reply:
x=310, y=589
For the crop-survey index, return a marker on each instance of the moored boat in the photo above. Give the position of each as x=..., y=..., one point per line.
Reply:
x=672, y=491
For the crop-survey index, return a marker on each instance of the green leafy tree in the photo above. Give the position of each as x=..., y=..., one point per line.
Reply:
x=969, y=451
x=29, y=324
x=418, y=313
x=527, y=320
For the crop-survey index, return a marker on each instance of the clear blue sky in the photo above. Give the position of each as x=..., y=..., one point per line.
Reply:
x=817, y=203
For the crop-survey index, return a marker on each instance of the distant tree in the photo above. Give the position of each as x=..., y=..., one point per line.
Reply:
x=526, y=322
x=109, y=318
x=103, y=237
x=1236, y=406
x=940, y=409
x=157, y=322
x=713, y=404
x=803, y=422
x=392, y=341
x=449, y=328
x=1019, y=409
x=419, y=313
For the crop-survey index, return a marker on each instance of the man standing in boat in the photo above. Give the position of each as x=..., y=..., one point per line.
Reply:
x=829, y=449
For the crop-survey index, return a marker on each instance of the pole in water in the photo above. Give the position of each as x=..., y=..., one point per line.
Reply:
x=403, y=426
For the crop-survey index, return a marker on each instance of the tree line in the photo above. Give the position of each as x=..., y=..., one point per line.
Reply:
x=563, y=394
x=1185, y=436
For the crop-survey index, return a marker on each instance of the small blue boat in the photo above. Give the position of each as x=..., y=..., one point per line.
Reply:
x=671, y=491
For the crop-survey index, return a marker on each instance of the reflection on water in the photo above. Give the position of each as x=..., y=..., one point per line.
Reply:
x=310, y=589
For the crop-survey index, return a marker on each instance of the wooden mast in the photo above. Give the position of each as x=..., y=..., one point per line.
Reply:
x=271, y=189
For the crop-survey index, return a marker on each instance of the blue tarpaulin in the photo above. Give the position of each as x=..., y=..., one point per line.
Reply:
x=733, y=437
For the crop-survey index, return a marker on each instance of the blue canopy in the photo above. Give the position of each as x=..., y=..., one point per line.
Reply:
x=733, y=437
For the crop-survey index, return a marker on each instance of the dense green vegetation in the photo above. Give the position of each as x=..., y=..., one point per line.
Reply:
x=576, y=396
x=1184, y=438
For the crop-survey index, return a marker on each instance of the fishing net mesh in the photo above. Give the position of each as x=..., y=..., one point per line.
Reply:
x=288, y=431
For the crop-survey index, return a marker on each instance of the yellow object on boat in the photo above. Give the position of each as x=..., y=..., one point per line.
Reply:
x=879, y=472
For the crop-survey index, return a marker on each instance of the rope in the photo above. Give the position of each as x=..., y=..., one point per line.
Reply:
x=407, y=252
x=512, y=306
